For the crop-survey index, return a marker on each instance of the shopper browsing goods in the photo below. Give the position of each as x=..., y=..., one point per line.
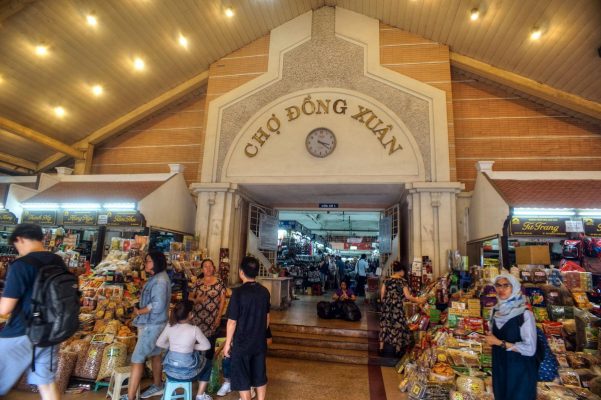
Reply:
x=151, y=318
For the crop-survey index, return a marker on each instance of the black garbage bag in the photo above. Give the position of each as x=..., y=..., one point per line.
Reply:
x=349, y=311
x=324, y=310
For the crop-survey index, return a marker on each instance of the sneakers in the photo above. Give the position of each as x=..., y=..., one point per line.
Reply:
x=124, y=397
x=152, y=391
x=224, y=389
x=204, y=396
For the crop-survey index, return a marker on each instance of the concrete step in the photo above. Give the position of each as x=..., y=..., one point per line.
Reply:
x=318, y=330
x=344, y=356
x=307, y=339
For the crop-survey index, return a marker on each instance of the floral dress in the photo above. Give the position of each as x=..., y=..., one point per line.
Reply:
x=205, y=312
x=393, y=324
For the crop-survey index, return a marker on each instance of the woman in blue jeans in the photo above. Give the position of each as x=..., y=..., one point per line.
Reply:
x=151, y=318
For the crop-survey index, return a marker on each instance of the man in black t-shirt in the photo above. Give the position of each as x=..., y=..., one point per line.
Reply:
x=16, y=350
x=248, y=317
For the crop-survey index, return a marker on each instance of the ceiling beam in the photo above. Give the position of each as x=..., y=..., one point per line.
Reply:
x=528, y=86
x=19, y=162
x=121, y=123
x=11, y=168
x=27, y=133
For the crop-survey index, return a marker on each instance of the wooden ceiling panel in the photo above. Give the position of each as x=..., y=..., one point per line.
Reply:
x=565, y=58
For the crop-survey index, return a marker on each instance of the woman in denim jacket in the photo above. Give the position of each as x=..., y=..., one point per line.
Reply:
x=151, y=318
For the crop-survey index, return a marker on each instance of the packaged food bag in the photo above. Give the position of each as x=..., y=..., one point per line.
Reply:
x=115, y=355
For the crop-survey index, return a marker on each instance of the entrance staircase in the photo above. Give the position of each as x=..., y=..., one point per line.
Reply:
x=348, y=346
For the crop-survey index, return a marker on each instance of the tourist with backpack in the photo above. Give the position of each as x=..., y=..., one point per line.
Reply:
x=514, y=341
x=39, y=319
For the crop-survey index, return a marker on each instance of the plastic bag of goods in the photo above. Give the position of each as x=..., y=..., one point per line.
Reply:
x=470, y=384
x=587, y=330
x=88, y=366
x=115, y=355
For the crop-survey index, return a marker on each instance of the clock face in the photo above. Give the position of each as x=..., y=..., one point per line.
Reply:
x=320, y=142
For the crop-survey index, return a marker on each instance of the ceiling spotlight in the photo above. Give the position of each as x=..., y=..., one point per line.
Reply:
x=97, y=90
x=41, y=50
x=91, y=20
x=59, y=111
x=229, y=12
x=139, y=64
x=536, y=33
x=474, y=14
x=183, y=41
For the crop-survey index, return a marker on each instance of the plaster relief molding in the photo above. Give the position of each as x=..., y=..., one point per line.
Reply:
x=376, y=161
x=283, y=38
x=365, y=32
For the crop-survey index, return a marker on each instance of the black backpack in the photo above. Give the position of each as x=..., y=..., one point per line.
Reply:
x=54, y=304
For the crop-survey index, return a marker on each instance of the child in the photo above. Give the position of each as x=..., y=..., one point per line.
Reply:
x=183, y=361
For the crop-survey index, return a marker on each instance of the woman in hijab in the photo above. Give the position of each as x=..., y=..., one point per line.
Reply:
x=513, y=341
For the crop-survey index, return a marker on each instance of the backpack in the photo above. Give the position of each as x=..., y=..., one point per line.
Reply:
x=546, y=362
x=54, y=304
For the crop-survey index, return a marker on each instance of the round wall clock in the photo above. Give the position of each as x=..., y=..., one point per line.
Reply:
x=320, y=142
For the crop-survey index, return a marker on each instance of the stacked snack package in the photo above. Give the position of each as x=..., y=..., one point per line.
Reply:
x=450, y=359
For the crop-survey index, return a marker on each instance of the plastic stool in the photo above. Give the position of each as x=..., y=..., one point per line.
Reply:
x=171, y=387
x=119, y=376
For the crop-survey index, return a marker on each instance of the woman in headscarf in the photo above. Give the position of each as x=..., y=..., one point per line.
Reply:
x=513, y=341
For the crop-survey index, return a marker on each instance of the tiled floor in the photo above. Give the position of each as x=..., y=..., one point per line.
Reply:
x=300, y=379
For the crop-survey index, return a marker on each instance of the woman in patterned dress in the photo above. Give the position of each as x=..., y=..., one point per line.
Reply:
x=209, y=304
x=393, y=324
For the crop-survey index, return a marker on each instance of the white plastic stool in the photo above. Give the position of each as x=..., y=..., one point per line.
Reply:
x=171, y=387
x=119, y=376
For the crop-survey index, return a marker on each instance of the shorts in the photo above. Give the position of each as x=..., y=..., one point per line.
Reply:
x=146, y=345
x=248, y=371
x=15, y=359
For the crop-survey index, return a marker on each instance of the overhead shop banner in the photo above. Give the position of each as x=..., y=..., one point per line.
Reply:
x=40, y=217
x=386, y=235
x=268, y=232
x=122, y=219
x=592, y=226
x=538, y=226
x=7, y=218
x=80, y=218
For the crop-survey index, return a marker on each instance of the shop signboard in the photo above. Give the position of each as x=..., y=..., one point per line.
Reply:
x=364, y=246
x=121, y=218
x=386, y=235
x=328, y=205
x=80, y=218
x=538, y=226
x=268, y=232
x=592, y=226
x=40, y=217
x=7, y=218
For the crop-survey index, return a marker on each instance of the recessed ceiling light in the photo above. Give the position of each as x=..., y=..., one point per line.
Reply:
x=139, y=64
x=59, y=111
x=474, y=14
x=183, y=41
x=91, y=20
x=536, y=33
x=97, y=90
x=229, y=12
x=41, y=50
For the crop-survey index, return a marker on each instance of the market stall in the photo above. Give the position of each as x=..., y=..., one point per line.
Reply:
x=83, y=213
x=538, y=209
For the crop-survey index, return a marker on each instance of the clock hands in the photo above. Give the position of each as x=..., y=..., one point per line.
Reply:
x=324, y=144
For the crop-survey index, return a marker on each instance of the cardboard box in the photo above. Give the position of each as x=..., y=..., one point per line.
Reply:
x=533, y=255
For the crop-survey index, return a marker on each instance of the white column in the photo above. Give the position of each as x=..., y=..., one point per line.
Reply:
x=434, y=222
x=213, y=219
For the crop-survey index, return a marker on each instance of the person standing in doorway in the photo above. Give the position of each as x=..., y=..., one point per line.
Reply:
x=361, y=275
x=246, y=344
x=16, y=350
x=341, y=271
